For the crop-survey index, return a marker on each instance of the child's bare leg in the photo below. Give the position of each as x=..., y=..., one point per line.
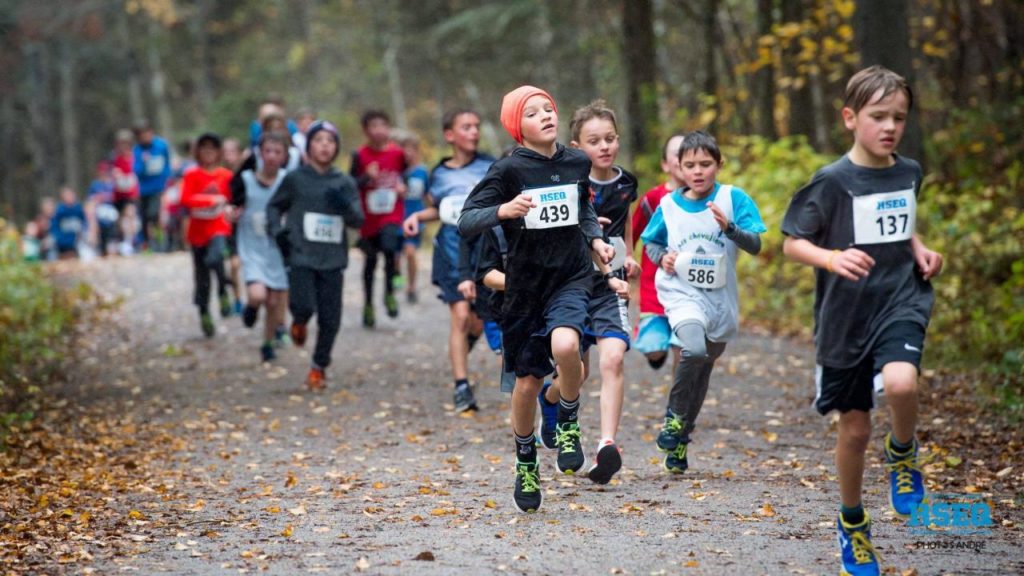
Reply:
x=565, y=348
x=524, y=405
x=612, y=351
x=900, y=379
x=854, y=435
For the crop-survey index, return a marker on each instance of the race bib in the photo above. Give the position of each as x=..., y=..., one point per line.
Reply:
x=415, y=189
x=619, y=260
x=557, y=206
x=125, y=182
x=154, y=165
x=451, y=208
x=70, y=225
x=106, y=214
x=208, y=213
x=258, y=219
x=381, y=201
x=322, y=227
x=885, y=217
x=705, y=271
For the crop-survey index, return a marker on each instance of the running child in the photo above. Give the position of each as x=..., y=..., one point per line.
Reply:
x=152, y=166
x=854, y=223
x=694, y=236
x=451, y=181
x=126, y=189
x=205, y=194
x=101, y=196
x=318, y=202
x=266, y=280
x=416, y=181
x=377, y=167
x=68, y=225
x=540, y=197
x=612, y=191
x=653, y=335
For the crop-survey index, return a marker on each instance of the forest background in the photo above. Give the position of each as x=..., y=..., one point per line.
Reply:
x=765, y=76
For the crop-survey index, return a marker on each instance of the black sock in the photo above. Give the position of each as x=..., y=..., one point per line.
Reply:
x=852, y=516
x=461, y=382
x=900, y=448
x=568, y=409
x=526, y=448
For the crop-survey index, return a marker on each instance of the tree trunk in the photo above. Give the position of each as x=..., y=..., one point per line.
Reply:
x=201, y=69
x=133, y=80
x=488, y=134
x=765, y=77
x=641, y=81
x=801, y=117
x=883, y=37
x=69, y=116
x=7, y=161
x=158, y=83
x=40, y=113
x=395, y=80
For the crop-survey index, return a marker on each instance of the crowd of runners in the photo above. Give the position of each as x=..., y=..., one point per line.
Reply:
x=535, y=253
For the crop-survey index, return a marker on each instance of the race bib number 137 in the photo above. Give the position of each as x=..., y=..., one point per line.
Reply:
x=556, y=206
x=885, y=217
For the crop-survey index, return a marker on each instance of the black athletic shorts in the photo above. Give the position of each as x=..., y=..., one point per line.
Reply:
x=846, y=389
x=526, y=339
x=609, y=318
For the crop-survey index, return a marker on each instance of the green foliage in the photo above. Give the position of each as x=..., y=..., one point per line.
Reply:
x=36, y=321
x=777, y=293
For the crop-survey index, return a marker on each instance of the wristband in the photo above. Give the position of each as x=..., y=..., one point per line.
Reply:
x=828, y=265
x=609, y=275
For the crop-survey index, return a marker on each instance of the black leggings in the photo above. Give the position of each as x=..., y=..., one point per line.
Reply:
x=317, y=292
x=389, y=242
x=206, y=259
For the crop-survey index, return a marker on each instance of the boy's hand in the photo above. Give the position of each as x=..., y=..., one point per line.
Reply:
x=852, y=264
x=668, y=262
x=620, y=287
x=516, y=207
x=468, y=290
x=603, y=250
x=373, y=170
x=411, y=226
x=632, y=268
x=720, y=218
x=232, y=213
x=603, y=221
x=929, y=261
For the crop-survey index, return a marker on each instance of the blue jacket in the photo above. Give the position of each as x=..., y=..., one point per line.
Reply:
x=152, y=166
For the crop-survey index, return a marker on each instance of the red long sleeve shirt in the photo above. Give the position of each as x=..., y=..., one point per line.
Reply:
x=199, y=191
x=649, y=303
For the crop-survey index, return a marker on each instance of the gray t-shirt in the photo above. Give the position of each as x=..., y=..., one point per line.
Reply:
x=833, y=211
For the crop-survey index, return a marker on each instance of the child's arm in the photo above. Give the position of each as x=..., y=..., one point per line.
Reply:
x=617, y=285
x=852, y=264
x=929, y=261
x=466, y=286
x=278, y=205
x=347, y=199
x=590, y=226
x=746, y=240
x=486, y=206
x=495, y=280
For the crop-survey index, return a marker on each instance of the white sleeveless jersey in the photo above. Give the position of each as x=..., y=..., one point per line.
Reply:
x=704, y=288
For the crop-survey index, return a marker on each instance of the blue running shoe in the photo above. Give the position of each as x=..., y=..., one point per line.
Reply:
x=671, y=432
x=548, y=419
x=906, y=490
x=858, y=556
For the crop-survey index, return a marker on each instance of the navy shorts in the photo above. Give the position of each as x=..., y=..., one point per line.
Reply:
x=609, y=318
x=853, y=388
x=527, y=338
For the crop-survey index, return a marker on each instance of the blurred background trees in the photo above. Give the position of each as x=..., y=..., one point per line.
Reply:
x=752, y=71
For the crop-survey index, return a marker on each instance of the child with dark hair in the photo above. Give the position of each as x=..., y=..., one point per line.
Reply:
x=205, y=194
x=378, y=167
x=308, y=217
x=68, y=225
x=695, y=236
x=539, y=195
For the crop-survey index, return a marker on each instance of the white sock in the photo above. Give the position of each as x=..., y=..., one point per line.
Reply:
x=604, y=442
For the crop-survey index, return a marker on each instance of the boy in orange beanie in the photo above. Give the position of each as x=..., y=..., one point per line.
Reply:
x=539, y=195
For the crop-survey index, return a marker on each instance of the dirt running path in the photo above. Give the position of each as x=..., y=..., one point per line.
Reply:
x=379, y=475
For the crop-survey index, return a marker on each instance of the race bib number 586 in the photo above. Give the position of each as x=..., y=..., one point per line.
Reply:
x=556, y=206
x=885, y=217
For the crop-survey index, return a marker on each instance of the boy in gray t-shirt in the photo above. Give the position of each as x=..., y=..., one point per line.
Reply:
x=854, y=222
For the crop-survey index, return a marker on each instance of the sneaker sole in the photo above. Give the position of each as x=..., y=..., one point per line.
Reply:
x=528, y=510
x=572, y=472
x=606, y=466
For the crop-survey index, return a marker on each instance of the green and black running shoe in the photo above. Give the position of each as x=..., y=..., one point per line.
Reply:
x=671, y=432
x=527, y=494
x=391, y=303
x=570, y=450
x=675, y=461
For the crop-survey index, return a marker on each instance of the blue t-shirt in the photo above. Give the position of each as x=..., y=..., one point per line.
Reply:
x=417, y=180
x=67, y=225
x=744, y=213
x=445, y=182
x=152, y=166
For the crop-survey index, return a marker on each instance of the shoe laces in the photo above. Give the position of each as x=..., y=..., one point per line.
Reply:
x=528, y=477
x=680, y=452
x=673, y=425
x=905, y=468
x=863, y=551
x=567, y=436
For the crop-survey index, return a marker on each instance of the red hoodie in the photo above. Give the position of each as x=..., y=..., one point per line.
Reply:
x=376, y=194
x=649, y=303
x=199, y=191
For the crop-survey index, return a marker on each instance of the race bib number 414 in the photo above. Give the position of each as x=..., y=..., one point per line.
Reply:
x=322, y=227
x=556, y=206
x=885, y=217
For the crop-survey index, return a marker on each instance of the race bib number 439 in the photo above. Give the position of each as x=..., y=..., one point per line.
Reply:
x=885, y=217
x=322, y=227
x=556, y=206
